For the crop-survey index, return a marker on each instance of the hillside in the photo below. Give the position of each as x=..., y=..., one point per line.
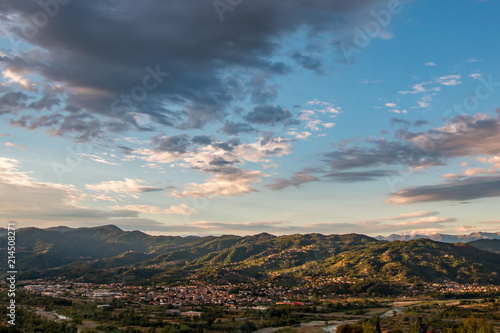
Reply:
x=490, y=245
x=46, y=248
x=443, y=237
x=109, y=254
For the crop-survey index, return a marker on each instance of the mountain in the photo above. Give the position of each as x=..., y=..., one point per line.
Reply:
x=490, y=245
x=443, y=237
x=3, y=232
x=106, y=254
x=423, y=259
x=46, y=248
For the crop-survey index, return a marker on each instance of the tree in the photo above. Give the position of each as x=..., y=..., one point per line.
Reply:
x=353, y=328
x=420, y=326
x=471, y=325
x=372, y=325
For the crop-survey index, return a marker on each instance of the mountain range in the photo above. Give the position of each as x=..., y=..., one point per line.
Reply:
x=443, y=237
x=108, y=254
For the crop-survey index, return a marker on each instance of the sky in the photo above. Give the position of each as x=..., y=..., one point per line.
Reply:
x=240, y=117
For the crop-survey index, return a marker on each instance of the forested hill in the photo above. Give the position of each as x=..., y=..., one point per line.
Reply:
x=110, y=254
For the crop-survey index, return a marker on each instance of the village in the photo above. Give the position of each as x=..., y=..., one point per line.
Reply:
x=228, y=295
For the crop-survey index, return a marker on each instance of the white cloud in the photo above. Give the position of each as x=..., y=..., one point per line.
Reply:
x=31, y=202
x=100, y=159
x=417, y=89
x=474, y=172
x=450, y=80
x=182, y=209
x=494, y=160
x=232, y=184
x=126, y=186
x=10, y=144
x=303, y=135
x=451, y=176
x=430, y=63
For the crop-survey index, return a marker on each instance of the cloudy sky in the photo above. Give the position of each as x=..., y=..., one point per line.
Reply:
x=237, y=116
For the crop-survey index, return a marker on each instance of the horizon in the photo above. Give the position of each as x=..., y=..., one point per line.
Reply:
x=264, y=232
x=340, y=117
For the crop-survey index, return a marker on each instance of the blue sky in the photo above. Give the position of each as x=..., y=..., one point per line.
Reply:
x=187, y=118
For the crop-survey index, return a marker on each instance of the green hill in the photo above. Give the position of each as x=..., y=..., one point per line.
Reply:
x=107, y=254
x=490, y=245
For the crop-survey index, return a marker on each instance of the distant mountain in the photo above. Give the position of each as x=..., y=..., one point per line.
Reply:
x=54, y=247
x=422, y=259
x=490, y=245
x=109, y=227
x=3, y=232
x=105, y=254
x=443, y=237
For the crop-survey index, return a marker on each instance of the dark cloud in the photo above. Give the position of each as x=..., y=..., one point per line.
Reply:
x=176, y=59
x=460, y=190
x=46, y=102
x=228, y=145
x=219, y=161
x=125, y=150
x=461, y=136
x=260, y=91
x=12, y=102
x=296, y=180
x=32, y=123
x=308, y=62
x=398, y=121
x=232, y=128
x=406, y=123
x=202, y=140
x=359, y=176
x=270, y=115
x=172, y=144
x=421, y=122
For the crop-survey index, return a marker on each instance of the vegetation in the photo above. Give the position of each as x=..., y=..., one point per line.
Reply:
x=107, y=254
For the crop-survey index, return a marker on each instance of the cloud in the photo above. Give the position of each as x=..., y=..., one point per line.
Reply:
x=235, y=128
x=423, y=222
x=31, y=202
x=229, y=181
x=209, y=70
x=172, y=144
x=417, y=89
x=450, y=80
x=270, y=115
x=494, y=160
x=296, y=180
x=360, y=176
x=182, y=209
x=455, y=190
x=302, y=135
x=451, y=176
x=222, y=161
x=311, y=117
x=430, y=63
x=410, y=215
x=474, y=172
x=10, y=144
x=12, y=102
x=308, y=62
x=459, y=137
x=127, y=186
x=398, y=121
x=476, y=76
